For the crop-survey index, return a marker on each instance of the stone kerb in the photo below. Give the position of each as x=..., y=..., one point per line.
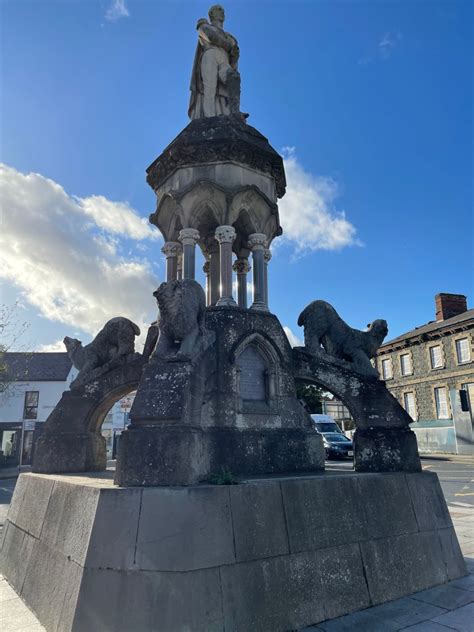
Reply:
x=383, y=440
x=71, y=440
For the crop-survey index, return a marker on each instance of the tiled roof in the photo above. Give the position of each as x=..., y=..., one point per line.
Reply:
x=35, y=367
x=433, y=326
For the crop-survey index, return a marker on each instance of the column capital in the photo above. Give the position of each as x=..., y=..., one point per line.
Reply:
x=241, y=266
x=171, y=249
x=188, y=236
x=257, y=241
x=267, y=255
x=225, y=234
x=206, y=268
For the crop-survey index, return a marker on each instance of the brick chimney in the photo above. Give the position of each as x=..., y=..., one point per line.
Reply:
x=449, y=305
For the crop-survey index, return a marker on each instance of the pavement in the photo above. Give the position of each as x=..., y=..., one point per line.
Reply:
x=441, y=609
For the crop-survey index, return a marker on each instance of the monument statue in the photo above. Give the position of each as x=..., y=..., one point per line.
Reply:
x=114, y=343
x=324, y=327
x=182, y=333
x=215, y=80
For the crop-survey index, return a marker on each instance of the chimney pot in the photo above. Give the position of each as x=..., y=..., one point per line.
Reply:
x=449, y=305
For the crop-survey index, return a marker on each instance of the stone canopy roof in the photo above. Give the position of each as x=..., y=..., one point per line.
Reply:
x=35, y=367
x=215, y=139
x=433, y=328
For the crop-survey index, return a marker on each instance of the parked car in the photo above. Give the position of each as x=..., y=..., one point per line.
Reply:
x=336, y=444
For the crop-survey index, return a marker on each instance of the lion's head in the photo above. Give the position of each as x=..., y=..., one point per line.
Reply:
x=379, y=329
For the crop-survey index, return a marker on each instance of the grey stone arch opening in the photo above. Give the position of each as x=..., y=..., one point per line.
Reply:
x=383, y=439
x=98, y=415
x=256, y=363
x=72, y=440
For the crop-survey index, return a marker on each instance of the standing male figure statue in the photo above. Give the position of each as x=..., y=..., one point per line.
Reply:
x=215, y=80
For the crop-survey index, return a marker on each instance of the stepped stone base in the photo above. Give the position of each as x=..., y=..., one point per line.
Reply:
x=266, y=555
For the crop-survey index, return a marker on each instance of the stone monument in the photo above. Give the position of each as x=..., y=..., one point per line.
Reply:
x=162, y=546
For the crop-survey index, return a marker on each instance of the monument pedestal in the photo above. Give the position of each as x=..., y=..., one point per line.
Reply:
x=232, y=407
x=269, y=555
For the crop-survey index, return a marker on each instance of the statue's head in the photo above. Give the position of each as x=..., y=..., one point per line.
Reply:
x=71, y=344
x=217, y=14
x=379, y=328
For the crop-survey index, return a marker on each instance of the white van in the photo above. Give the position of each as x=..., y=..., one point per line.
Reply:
x=325, y=423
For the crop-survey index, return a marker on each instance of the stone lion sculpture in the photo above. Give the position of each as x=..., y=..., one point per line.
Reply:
x=115, y=341
x=324, y=327
x=181, y=328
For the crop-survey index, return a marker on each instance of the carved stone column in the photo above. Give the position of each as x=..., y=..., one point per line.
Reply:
x=215, y=274
x=180, y=266
x=225, y=235
x=267, y=255
x=171, y=250
x=257, y=243
x=241, y=267
x=206, y=268
x=189, y=238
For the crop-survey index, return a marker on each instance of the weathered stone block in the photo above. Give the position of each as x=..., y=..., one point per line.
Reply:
x=452, y=555
x=70, y=452
x=70, y=519
x=317, y=512
x=165, y=602
x=343, y=580
x=401, y=565
x=386, y=449
x=50, y=577
x=387, y=504
x=162, y=456
x=258, y=520
x=280, y=593
x=197, y=531
x=113, y=537
x=15, y=555
x=428, y=501
x=34, y=503
x=17, y=498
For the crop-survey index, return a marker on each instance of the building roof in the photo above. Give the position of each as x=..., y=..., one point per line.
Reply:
x=433, y=327
x=35, y=367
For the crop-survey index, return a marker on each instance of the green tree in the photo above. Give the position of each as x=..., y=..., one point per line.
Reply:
x=311, y=395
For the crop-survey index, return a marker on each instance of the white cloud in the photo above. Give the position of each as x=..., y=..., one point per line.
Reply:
x=117, y=217
x=64, y=263
x=118, y=9
x=386, y=45
x=53, y=346
x=293, y=339
x=307, y=212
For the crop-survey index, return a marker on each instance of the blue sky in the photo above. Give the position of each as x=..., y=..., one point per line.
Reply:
x=373, y=98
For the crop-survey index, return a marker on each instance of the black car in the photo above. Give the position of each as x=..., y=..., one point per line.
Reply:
x=337, y=445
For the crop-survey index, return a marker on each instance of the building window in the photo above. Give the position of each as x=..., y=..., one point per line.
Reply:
x=462, y=350
x=441, y=400
x=409, y=402
x=387, y=371
x=436, y=357
x=406, y=367
x=30, y=410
